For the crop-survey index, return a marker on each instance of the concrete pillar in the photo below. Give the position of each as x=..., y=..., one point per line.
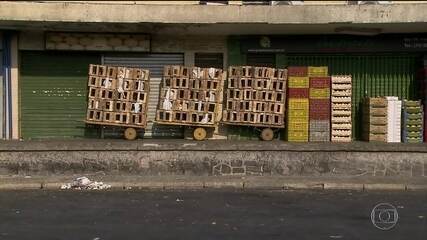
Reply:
x=14, y=86
x=189, y=58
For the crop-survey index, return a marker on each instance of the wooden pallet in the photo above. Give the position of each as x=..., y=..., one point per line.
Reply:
x=116, y=124
x=186, y=124
x=253, y=125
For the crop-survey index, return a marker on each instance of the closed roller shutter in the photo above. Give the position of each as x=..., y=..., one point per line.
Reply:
x=208, y=60
x=379, y=75
x=155, y=63
x=53, y=88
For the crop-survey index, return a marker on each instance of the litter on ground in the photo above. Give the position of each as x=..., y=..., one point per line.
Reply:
x=84, y=183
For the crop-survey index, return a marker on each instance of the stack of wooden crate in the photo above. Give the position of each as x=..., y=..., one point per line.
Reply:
x=190, y=96
x=412, y=131
x=256, y=96
x=341, y=122
x=375, y=119
x=320, y=104
x=394, y=117
x=117, y=95
x=298, y=104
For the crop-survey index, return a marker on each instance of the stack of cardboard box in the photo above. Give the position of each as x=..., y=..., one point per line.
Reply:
x=394, y=116
x=375, y=119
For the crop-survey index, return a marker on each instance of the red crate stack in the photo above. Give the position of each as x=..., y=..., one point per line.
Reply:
x=320, y=109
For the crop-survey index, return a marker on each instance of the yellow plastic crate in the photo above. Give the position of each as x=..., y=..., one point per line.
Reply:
x=299, y=119
x=317, y=71
x=298, y=104
x=297, y=136
x=320, y=93
x=298, y=82
x=298, y=113
x=298, y=126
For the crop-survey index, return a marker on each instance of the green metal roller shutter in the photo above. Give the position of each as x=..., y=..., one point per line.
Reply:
x=373, y=75
x=53, y=89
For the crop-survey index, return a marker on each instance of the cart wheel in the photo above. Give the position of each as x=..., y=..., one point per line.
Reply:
x=267, y=134
x=199, y=134
x=130, y=133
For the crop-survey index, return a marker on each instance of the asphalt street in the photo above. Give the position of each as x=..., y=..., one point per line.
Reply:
x=208, y=214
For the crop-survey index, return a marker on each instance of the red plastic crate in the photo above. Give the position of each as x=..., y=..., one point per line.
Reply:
x=297, y=71
x=317, y=116
x=320, y=82
x=320, y=109
x=320, y=103
x=298, y=92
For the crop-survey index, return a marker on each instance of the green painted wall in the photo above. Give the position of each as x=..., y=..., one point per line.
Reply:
x=235, y=56
x=53, y=99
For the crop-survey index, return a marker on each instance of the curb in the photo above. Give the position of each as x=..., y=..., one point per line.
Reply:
x=242, y=185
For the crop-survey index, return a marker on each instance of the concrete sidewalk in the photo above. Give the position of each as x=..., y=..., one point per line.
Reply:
x=242, y=164
x=213, y=182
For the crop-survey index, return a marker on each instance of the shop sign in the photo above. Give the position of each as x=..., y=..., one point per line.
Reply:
x=335, y=44
x=97, y=42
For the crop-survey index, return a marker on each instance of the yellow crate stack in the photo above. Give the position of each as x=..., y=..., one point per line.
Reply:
x=298, y=108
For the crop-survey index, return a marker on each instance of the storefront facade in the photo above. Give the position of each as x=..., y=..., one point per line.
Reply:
x=48, y=85
x=380, y=66
x=53, y=83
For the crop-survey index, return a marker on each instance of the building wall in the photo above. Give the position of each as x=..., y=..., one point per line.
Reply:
x=197, y=2
x=34, y=40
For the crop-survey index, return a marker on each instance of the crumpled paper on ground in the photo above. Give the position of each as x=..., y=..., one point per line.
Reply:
x=84, y=183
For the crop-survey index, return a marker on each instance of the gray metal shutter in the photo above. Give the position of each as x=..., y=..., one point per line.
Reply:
x=207, y=60
x=154, y=63
x=261, y=59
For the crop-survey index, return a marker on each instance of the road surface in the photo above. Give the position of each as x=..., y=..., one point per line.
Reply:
x=207, y=214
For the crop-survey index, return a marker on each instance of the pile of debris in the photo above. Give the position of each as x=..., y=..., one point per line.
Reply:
x=84, y=183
